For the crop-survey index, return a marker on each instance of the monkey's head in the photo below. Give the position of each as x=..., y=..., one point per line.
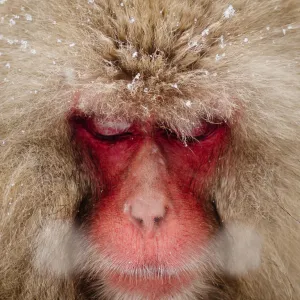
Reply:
x=150, y=149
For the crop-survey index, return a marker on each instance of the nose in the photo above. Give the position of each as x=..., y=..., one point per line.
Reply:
x=148, y=204
x=148, y=212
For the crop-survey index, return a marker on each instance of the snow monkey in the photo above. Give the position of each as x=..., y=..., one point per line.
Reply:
x=149, y=149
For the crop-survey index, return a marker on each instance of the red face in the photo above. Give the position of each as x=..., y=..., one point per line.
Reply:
x=150, y=222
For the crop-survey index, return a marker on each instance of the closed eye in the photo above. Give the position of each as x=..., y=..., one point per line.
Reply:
x=114, y=137
x=197, y=135
x=106, y=131
x=110, y=131
x=206, y=133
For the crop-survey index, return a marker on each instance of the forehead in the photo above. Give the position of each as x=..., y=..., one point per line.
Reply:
x=162, y=64
x=181, y=106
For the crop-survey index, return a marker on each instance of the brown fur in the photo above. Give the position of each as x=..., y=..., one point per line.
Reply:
x=254, y=88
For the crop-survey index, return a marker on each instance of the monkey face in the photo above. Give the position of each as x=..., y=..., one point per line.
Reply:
x=151, y=221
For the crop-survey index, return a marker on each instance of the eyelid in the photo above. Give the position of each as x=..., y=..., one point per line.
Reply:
x=204, y=129
x=200, y=129
x=199, y=133
x=111, y=128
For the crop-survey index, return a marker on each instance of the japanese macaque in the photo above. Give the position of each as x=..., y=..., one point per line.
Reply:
x=149, y=149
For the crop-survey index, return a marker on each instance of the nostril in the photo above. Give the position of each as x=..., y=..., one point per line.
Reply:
x=157, y=220
x=139, y=221
x=145, y=215
x=148, y=223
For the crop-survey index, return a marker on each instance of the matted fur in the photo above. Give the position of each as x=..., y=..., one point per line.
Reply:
x=180, y=59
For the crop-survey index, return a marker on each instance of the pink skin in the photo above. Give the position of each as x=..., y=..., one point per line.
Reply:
x=149, y=215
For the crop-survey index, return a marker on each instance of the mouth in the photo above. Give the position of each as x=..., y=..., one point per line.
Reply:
x=151, y=282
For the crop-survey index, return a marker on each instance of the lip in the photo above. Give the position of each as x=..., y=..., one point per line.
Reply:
x=151, y=272
x=153, y=282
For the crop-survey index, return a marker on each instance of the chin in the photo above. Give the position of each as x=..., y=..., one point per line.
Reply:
x=150, y=286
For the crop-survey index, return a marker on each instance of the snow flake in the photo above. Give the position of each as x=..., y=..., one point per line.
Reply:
x=135, y=54
x=246, y=40
x=174, y=85
x=122, y=4
x=229, y=12
x=137, y=76
x=58, y=40
x=284, y=31
x=28, y=17
x=222, y=43
x=193, y=44
x=72, y=45
x=9, y=41
x=205, y=32
x=268, y=28
x=7, y=65
x=219, y=57
x=91, y=1
x=24, y=45
x=188, y=103
x=12, y=22
x=146, y=90
x=130, y=86
x=290, y=27
x=33, y=51
x=131, y=20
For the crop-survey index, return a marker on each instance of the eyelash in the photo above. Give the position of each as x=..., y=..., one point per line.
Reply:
x=211, y=128
x=208, y=130
x=113, y=138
